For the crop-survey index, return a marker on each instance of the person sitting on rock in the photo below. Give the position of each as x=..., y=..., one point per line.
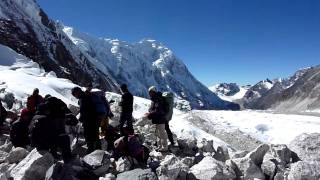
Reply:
x=157, y=115
x=47, y=129
x=34, y=100
x=131, y=147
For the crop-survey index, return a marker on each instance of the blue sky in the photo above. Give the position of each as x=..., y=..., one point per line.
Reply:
x=219, y=40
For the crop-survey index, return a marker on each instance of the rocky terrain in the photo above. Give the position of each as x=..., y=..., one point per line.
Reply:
x=191, y=159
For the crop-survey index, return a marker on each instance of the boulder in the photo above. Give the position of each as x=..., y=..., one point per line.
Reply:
x=16, y=155
x=137, y=174
x=33, y=167
x=6, y=147
x=96, y=158
x=269, y=166
x=123, y=164
x=282, y=153
x=238, y=154
x=257, y=155
x=171, y=167
x=189, y=161
x=246, y=168
x=3, y=156
x=209, y=168
x=205, y=145
x=221, y=154
x=108, y=177
x=60, y=171
x=4, y=167
x=305, y=171
x=307, y=146
x=188, y=146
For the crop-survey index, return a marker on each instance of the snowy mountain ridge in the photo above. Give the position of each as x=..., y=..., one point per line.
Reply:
x=144, y=64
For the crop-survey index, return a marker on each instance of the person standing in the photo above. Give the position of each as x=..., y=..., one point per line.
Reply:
x=34, y=100
x=157, y=115
x=89, y=117
x=126, y=105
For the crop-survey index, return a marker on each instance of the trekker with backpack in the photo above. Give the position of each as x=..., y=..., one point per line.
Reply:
x=157, y=115
x=89, y=117
x=126, y=105
x=34, y=100
x=47, y=129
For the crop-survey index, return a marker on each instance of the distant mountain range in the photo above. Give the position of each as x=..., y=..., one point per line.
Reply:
x=297, y=93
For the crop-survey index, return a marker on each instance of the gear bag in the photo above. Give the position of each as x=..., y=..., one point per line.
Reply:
x=168, y=99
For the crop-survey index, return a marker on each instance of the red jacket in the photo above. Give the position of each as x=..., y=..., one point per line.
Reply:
x=33, y=102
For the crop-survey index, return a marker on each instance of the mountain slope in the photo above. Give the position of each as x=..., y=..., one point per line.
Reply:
x=144, y=64
x=298, y=93
x=229, y=91
x=25, y=28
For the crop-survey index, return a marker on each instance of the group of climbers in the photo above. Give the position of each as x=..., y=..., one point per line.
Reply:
x=42, y=123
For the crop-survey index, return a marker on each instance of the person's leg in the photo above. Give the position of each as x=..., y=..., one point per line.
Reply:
x=158, y=138
x=129, y=123
x=163, y=137
x=122, y=121
x=97, y=137
x=64, y=144
x=169, y=133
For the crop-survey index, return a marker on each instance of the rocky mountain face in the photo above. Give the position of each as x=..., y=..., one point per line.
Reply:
x=298, y=93
x=25, y=28
x=144, y=64
x=227, y=89
x=105, y=63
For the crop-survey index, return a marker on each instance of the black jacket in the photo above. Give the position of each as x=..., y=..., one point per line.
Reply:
x=126, y=103
x=157, y=111
x=87, y=109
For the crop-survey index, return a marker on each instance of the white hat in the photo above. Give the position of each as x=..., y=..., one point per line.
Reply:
x=152, y=88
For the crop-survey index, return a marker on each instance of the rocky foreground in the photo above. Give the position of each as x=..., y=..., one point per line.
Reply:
x=191, y=159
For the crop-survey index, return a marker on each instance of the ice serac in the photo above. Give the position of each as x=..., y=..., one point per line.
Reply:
x=144, y=64
x=26, y=28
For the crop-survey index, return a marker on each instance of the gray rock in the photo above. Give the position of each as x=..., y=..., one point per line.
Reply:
x=257, y=155
x=123, y=164
x=209, y=168
x=60, y=171
x=188, y=161
x=16, y=155
x=246, y=168
x=3, y=156
x=6, y=147
x=205, y=146
x=33, y=167
x=137, y=174
x=188, y=146
x=307, y=146
x=305, y=171
x=96, y=158
x=282, y=152
x=4, y=167
x=238, y=154
x=221, y=154
x=268, y=166
x=108, y=177
x=171, y=167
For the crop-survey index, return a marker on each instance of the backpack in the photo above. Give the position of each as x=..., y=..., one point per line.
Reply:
x=19, y=133
x=40, y=130
x=100, y=102
x=168, y=99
